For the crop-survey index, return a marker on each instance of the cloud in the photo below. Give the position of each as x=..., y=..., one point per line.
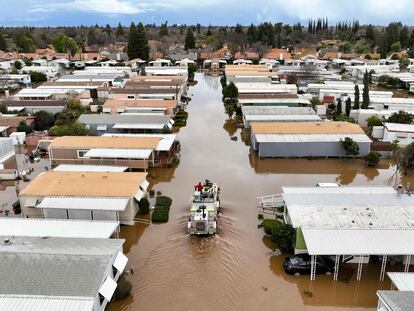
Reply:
x=112, y=7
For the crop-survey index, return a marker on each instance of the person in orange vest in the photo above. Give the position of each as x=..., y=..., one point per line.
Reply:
x=199, y=187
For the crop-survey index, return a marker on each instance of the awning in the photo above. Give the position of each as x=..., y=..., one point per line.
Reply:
x=109, y=153
x=108, y=288
x=139, y=126
x=30, y=202
x=139, y=195
x=144, y=185
x=359, y=241
x=120, y=262
x=78, y=203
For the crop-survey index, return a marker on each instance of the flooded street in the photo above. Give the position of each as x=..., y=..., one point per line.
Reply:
x=235, y=269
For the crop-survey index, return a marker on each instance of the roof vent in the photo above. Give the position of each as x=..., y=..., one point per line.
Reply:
x=6, y=241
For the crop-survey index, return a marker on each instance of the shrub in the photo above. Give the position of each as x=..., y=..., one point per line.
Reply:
x=160, y=214
x=350, y=146
x=374, y=121
x=372, y=158
x=401, y=117
x=230, y=91
x=123, y=289
x=175, y=161
x=280, y=233
x=144, y=206
x=163, y=201
x=37, y=77
x=23, y=127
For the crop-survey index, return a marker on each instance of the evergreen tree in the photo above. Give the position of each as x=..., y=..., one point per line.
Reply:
x=3, y=43
x=252, y=36
x=142, y=42
x=189, y=39
x=356, y=99
x=107, y=29
x=404, y=37
x=132, y=46
x=348, y=107
x=120, y=31
x=339, y=107
x=164, y=29
x=365, y=93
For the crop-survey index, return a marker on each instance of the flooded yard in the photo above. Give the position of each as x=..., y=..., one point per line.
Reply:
x=237, y=269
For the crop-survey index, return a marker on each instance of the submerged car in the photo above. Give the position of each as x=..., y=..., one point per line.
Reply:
x=301, y=264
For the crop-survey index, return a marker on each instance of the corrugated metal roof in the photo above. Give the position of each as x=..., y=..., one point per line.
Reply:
x=140, y=126
x=32, y=227
x=349, y=208
x=397, y=127
x=396, y=300
x=402, y=281
x=285, y=117
x=276, y=138
x=73, y=203
x=358, y=241
x=276, y=110
x=43, y=303
x=89, y=168
x=123, y=118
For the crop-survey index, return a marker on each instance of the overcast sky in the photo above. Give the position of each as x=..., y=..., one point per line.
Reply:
x=216, y=12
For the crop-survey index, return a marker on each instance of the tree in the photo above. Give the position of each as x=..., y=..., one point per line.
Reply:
x=3, y=42
x=372, y=158
x=365, y=92
x=401, y=117
x=356, y=97
x=43, y=120
x=339, y=107
x=123, y=289
x=403, y=157
x=252, y=36
x=350, y=146
x=17, y=64
x=189, y=39
x=63, y=44
x=75, y=129
x=404, y=37
x=107, y=30
x=132, y=46
x=374, y=121
x=142, y=43
x=348, y=105
x=37, y=77
x=163, y=29
x=119, y=31
x=23, y=127
x=230, y=91
x=404, y=63
x=396, y=46
x=144, y=205
x=280, y=233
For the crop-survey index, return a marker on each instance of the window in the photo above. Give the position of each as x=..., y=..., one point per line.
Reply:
x=81, y=153
x=131, y=96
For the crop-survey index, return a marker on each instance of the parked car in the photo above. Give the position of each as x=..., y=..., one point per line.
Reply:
x=301, y=264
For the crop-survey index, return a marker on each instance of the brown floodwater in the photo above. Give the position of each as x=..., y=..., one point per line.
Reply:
x=237, y=269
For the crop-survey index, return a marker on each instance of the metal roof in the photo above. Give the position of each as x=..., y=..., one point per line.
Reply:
x=396, y=300
x=100, y=119
x=139, y=126
x=282, y=117
x=349, y=208
x=402, y=281
x=32, y=227
x=56, y=266
x=89, y=168
x=276, y=138
x=397, y=127
x=276, y=110
x=358, y=241
x=77, y=203
x=42, y=303
x=112, y=153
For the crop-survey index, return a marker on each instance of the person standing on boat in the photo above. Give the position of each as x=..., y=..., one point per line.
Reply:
x=199, y=187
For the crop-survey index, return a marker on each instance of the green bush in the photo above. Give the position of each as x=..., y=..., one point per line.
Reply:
x=372, y=158
x=123, y=289
x=160, y=214
x=37, y=77
x=280, y=233
x=144, y=206
x=350, y=146
x=374, y=121
x=163, y=201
